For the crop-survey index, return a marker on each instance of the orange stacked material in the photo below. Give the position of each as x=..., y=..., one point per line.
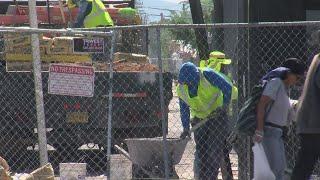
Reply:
x=121, y=66
x=58, y=49
x=19, y=15
x=129, y=62
x=22, y=44
x=131, y=57
x=61, y=45
x=133, y=67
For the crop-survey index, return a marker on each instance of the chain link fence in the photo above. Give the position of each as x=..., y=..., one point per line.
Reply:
x=123, y=121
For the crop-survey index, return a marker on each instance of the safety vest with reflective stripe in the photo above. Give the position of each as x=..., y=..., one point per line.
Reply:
x=216, y=65
x=208, y=98
x=234, y=93
x=98, y=16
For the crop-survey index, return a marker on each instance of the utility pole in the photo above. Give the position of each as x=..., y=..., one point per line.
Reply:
x=132, y=4
x=161, y=17
x=201, y=33
x=217, y=17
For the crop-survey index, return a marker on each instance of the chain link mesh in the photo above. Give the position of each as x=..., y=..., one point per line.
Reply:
x=77, y=127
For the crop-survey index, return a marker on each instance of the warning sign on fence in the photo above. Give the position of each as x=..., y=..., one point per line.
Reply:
x=71, y=80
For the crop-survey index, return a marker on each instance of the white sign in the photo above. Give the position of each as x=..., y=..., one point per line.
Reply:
x=71, y=80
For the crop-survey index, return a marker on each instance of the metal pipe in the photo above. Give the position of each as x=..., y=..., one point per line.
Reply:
x=109, y=136
x=38, y=85
x=217, y=25
x=97, y=31
x=164, y=124
x=28, y=30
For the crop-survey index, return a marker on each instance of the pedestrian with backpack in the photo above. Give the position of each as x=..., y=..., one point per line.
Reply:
x=272, y=114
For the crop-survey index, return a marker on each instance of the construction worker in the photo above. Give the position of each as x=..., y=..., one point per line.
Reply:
x=202, y=91
x=92, y=13
x=218, y=61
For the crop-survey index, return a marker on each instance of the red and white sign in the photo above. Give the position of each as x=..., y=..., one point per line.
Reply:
x=71, y=80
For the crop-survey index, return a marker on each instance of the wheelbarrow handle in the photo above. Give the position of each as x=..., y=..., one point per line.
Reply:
x=123, y=152
x=198, y=125
x=193, y=129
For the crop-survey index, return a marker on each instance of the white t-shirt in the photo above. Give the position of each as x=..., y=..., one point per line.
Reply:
x=278, y=114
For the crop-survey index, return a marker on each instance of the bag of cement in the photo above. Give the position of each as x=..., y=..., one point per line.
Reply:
x=43, y=173
x=46, y=42
x=61, y=45
x=22, y=44
x=23, y=177
x=14, y=40
x=24, y=50
x=63, y=41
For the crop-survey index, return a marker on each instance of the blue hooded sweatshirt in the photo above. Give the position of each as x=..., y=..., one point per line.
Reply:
x=189, y=74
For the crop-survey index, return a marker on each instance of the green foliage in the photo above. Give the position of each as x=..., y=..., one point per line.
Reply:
x=185, y=35
x=207, y=10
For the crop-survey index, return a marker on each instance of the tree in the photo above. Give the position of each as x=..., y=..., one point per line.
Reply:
x=207, y=9
x=187, y=36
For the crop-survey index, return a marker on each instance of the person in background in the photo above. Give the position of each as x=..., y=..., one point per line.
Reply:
x=92, y=13
x=273, y=113
x=308, y=124
x=201, y=92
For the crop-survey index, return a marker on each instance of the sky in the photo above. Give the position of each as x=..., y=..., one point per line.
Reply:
x=154, y=7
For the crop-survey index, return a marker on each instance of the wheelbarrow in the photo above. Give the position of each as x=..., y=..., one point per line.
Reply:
x=146, y=155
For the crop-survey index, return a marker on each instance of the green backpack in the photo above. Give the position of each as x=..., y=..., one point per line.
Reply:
x=247, y=121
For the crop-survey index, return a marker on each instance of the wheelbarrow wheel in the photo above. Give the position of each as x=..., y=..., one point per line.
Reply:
x=137, y=172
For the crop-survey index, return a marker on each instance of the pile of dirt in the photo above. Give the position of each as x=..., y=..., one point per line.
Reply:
x=135, y=67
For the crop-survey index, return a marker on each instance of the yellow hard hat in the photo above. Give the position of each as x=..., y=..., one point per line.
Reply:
x=219, y=56
x=216, y=58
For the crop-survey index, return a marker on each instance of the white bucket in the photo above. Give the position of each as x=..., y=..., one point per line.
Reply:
x=73, y=171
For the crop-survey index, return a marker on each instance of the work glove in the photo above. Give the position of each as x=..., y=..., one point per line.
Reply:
x=185, y=133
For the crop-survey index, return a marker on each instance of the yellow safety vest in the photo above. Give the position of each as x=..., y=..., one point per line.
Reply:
x=216, y=65
x=98, y=16
x=234, y=93
x=208, y=98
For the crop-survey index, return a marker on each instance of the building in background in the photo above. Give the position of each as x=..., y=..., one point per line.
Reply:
x=267, y=46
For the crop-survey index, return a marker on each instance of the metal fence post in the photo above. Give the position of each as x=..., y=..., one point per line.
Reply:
x=110, y=104
x=38, y=85
x=164, y=125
